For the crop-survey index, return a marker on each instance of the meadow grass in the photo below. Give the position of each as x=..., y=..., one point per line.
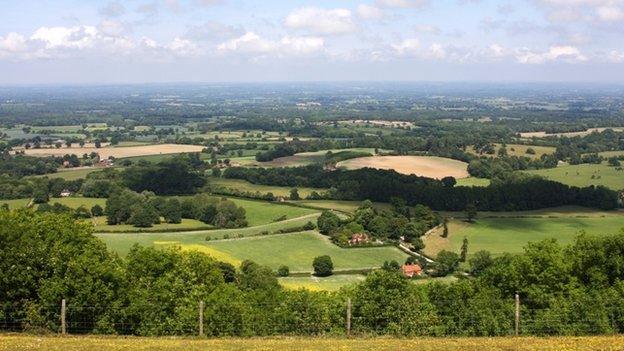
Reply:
x=584, y=175
x=295, y=250
x=122, y=242
x=511, y=235
x=23, y=342
x=331, y=283
x=473, y=181
x=519, y=150
x=100, y=225
x=15, y=203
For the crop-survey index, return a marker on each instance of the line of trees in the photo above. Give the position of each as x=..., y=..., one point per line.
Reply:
x=518, y=192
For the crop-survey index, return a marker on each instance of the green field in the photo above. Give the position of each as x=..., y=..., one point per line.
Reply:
x=72, y=174
x=16, y=203
x=243, y=185
x=186, y=224
x=307, y=158
x=338, y=205
x=73, y=202
x=331, y=283
x=519, y=150
x=581, y=175
x=294, y=250
x=501, y=235
x=263, y=212
x=472, y=181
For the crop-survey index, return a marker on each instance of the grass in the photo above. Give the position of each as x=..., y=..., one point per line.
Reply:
x=331, y=283
x=100, y=225
x=243, y=185
x=16, y=203
x=263, y=212
x=472, y=181
x=338, y=205
x=581, y=175
x=23, y=342
x=71, y=174
x=294, y=250
x=520, y=150
x=298, y=250
x=307, y=158
x=510, y=235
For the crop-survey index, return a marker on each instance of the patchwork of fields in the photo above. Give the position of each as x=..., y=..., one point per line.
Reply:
x=117, y=152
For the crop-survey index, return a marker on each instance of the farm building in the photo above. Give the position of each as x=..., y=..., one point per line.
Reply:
x=411, y=270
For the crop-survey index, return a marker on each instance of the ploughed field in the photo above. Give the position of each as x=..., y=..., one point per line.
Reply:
x=425, y=166
x=23, y=342
x=117, y=152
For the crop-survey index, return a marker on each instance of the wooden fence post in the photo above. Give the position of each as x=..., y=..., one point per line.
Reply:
x=63, y=312
x=201, y=318
x=348, y=329
x=517, y=329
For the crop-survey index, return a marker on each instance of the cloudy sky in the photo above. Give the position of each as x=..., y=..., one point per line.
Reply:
x=136, y=41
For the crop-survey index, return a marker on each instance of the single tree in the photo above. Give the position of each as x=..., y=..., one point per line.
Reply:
x=323, y=266
x=471, y=212
x=294, y=194
x=283, y=271
x=97, y=210
x=445, y=230
x=328, y=222
x=464, y=250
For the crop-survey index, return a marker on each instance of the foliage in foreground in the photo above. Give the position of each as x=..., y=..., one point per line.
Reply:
x=46, y=257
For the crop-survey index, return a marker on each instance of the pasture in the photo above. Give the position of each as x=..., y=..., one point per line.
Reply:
x=72, y=173
x=117, y=152
x=472, y=181
x=519, y=150
x=425, y=166
x=584, y=175
x=27, y=342
x=510, y=235
x=295, y=250
x=243, y=185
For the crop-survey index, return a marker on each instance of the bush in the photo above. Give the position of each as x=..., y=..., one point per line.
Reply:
x=283, y=271
x=97, y=210
x=323, y=266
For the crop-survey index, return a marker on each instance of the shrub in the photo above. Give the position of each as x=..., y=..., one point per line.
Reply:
x=283, y=271
x=323, y=266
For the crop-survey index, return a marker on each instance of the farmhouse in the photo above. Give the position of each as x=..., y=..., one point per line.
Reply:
x=411, y=270
x=359, y=238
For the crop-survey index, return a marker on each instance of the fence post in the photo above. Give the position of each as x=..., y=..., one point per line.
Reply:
x=348, y=329
x=517, y=329
x=63, y=312
x=201, y=318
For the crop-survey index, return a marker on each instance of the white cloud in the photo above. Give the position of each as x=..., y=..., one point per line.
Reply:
x=302, y=45
x=13, y=43
x=112, y=9
x=436, y=51
x=369, y=12
x=407, y=47
x=615, y=56
x=583, y=10
x=495, y=51
x=249, y=42
x=321, y=21
x=568, y=54
x=78, y=37
x=401, y=3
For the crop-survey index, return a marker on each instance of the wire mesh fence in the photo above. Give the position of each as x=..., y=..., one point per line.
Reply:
x=348, y=318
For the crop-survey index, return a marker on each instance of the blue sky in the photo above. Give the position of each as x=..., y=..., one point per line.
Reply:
x=137, y=41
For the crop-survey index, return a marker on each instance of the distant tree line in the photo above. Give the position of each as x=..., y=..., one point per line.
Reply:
x=520, y=192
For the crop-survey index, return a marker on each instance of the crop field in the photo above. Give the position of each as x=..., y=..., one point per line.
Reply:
x=118, y=152
x=584, y=175
x=243, y=185
x=307, y=158
x=26, y=342
x=426, y=166
x=331, y=283
x=568, y=134
x=510, y=235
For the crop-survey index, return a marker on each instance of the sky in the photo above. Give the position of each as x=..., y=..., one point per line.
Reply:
x=151, y=41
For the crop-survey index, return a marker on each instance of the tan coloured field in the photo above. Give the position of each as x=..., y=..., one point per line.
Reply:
x=118, y=152
x=425, y=166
